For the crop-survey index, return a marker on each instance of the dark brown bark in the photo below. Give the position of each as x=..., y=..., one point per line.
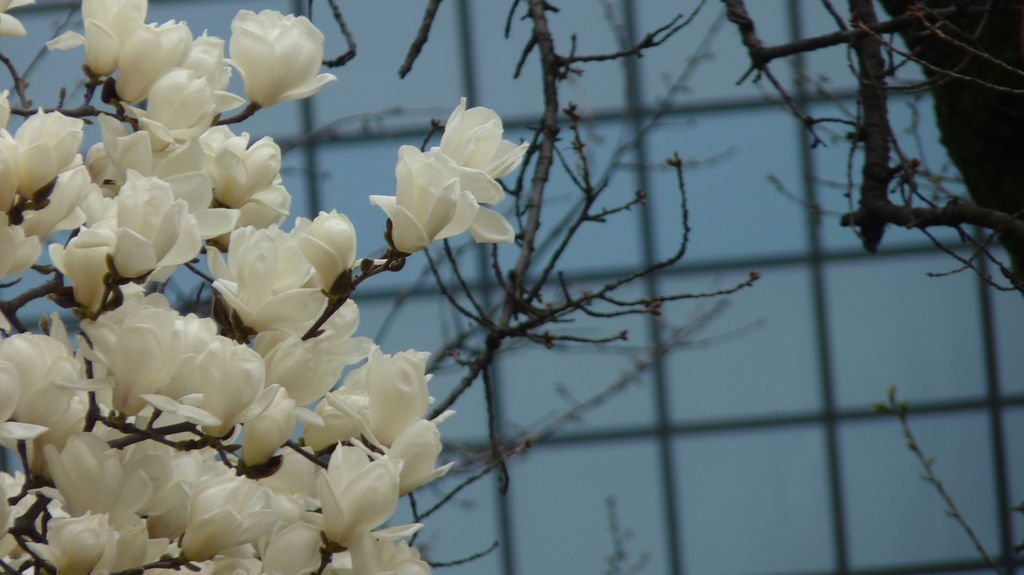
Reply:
x=981, y=126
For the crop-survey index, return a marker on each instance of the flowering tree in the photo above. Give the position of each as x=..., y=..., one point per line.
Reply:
x=153, y=439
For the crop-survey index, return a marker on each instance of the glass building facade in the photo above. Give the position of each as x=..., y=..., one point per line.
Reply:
x=753, y=449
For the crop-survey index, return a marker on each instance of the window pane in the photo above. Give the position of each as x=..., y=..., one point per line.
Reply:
x=894, y=517
x=369, y=91
x=724, y=61
x=465, y=525
x=933, y=351
x=560, y=500
x=602, y=84
x=757, y=357
x=539, y=386
x=1013, y=431
x=735, y=211
x=764, y=493
x=1008, y=313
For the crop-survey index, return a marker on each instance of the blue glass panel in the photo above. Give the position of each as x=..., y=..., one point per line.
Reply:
x=893, y=325
x=1013, y=432
x=764, y=492
x=720, y=64
x=466, y=525
x=827, y=68
x=295, y=176
x=913, y=123
x=612, y=244
x=368, y=91
x=600, y=87
x=540, y=385
x=894, y=517
x=734, y=210
x=757, y=357
x=560, y=500
x=1008, y=312
x=53, y=70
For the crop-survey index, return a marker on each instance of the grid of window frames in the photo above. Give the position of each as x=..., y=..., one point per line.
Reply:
x=754, y=451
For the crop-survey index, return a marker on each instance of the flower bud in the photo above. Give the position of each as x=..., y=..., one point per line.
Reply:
x=329, y=243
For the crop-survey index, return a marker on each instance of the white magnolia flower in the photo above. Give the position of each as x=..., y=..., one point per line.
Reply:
x=342, y=423
x=357, y=495
x=84, y=262
x=270, y=430
x=48, y=143
x=278, y=56
x=147, y=54
x=294, y=549
x=5, y=108
x=263, y=280
x=308, y=369
x=180, y=166
x=5, y=511
x=429, y=204
x=89, y=476
x=418, y=447
x=40, y=361
x=10, y=170
x=17, y=252
x=108, y=25
x=474, y=139
x=63, y=212
x=173, y=474
x=75, y=545
x=226, y=511
x=181, y=106
x=230, y=378
x=138, y=346
x=246, y=178
x=153, y=228
x=396, y=386
x=329, y=243
x=373, y=554
x=10, y=391
x=195, y=335
x=9, y=25
x=207, y=60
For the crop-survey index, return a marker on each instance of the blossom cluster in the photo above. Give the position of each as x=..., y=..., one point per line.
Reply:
x=264, y=436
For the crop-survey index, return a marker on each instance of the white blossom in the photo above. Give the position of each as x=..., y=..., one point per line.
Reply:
x=429, y=204
x=278, y=56
x=9, y=25
x=108, y=25
x=357, y=495
x=147, y=54
x=417, y=447
x=246, y=178
x=329, y=243
x=48, y=143
x=226, y=511
x=264, y=278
